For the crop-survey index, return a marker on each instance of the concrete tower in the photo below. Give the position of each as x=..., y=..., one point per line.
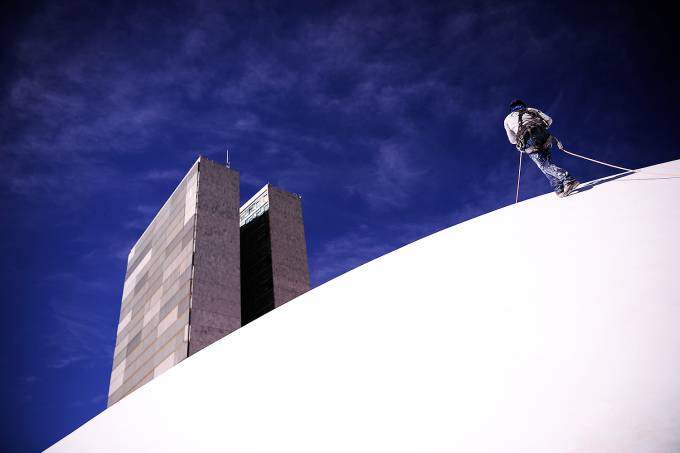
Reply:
x=182, y=286
x=273, y=252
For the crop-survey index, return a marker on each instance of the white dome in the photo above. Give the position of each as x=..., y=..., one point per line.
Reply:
x=548, y=326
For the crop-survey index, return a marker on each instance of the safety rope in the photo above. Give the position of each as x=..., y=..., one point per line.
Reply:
x=561, y=147
x=519, y=174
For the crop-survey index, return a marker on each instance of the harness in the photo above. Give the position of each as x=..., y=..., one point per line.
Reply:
x=526, y=129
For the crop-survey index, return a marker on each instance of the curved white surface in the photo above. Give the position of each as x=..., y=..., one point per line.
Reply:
x=549, y=326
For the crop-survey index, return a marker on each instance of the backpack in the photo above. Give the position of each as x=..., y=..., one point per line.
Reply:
x=533, y=125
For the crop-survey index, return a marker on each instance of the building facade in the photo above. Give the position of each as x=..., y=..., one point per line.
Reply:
x=182, y=287
x=273, y=252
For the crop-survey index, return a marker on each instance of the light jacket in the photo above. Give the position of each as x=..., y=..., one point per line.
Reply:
x=511, y=123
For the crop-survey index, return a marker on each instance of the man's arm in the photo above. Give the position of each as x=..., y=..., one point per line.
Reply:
x=511, y=135
x=545, y=117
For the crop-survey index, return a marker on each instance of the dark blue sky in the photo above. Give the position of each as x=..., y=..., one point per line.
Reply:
x=385, y=117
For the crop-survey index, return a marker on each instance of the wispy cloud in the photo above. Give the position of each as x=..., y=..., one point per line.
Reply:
x=164, y=175
x=394, y=178
x=79, y=334
x=75, y=282
x=251, y=181
x=95, y=400
x=97, y=103
x=344, y=253
x=146, y=209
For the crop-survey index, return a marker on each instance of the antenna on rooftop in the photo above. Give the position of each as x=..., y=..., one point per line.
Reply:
x=227, y=162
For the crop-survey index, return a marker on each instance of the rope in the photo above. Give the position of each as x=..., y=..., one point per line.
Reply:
x=519, y=174
x=559, y=145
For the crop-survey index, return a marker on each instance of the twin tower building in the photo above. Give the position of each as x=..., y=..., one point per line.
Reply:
x=203, y=268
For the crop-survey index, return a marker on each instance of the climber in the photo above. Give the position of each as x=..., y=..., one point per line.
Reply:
x=527, y=129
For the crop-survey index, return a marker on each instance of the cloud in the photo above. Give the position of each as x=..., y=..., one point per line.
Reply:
x=223, y=87
x=347, y=251
x=344, y=253
x=146, y=209
x=163, y=175
x=95, y=400
x=65, y=182
x=135, y=224
x=80, y=334
x=76, y=282
x=251, y=181
x=393, y=177
x=361, y=73
x=396, y=176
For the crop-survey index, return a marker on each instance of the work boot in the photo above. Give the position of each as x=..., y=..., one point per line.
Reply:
x=569, y=187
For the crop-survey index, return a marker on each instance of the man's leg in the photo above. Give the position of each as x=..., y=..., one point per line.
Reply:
x=556, y=175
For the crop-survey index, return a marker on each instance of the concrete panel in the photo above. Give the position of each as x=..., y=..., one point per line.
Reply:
x=190, y=201
x=134, y=342
x=131, y=281
x=149, y=354
x=121, y=344
x=183, y=293
x=155, y=305
x=167, y=321
x=216, y=285
x=117, y=377
x=124, y=322
x=159, y=268
x=153, y=341
x=146, y=379
x=202, y=336
x=139, y=261
x=211, y=297
x=289, y=250
x=227, y=323
x=165, y=365
x=146, y=360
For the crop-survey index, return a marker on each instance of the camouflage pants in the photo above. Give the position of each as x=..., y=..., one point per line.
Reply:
x=556, y=175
